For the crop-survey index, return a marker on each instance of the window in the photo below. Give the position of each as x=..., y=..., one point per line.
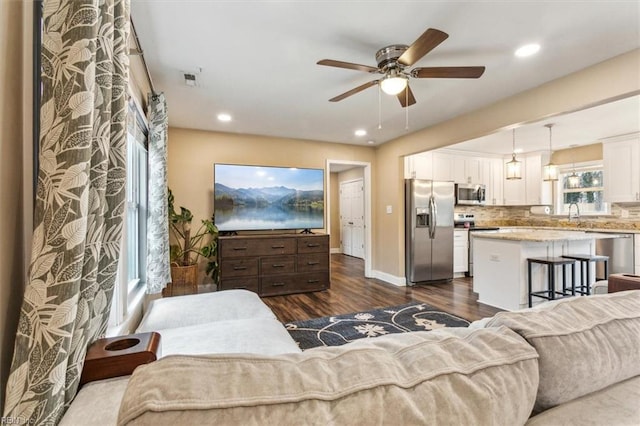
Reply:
x=583, y=186
x=132, y=269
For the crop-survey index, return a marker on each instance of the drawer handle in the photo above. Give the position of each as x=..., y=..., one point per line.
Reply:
x=313, y=281
x=239, y=248
x=277, y=285
x=239, y=268
x=313, y=263
x=313, y=245
x=277, y=265
x=277, y=247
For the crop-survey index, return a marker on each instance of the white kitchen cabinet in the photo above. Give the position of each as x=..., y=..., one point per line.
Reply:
x=515, y=190
x=492, y=177
x=443, y=166
x=419, y=166
x=533, y=180
x=473, y=170
x=460, y=251
x=622, y=171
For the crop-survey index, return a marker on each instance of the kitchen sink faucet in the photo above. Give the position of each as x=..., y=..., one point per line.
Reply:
x=577, y=215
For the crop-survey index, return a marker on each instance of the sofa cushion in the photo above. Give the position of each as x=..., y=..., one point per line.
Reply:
x=181, y=311
x=254, y=335
x=585, y=344
x=616, y=405
x=453, y=376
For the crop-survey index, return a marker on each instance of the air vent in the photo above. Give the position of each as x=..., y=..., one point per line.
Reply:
x=190, y=80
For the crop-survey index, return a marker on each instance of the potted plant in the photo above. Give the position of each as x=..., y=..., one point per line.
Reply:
x=187, y=247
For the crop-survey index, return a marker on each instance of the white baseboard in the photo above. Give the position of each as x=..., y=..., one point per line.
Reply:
x=388, y=278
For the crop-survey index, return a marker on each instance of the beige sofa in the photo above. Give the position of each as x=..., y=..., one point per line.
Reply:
x=569, y=362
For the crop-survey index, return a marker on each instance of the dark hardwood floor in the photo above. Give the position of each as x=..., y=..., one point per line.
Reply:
x=351, y=292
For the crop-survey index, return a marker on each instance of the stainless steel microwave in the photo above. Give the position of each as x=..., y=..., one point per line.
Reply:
x=470, y=194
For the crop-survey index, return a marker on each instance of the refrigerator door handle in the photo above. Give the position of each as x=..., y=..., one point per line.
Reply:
x=433, y=212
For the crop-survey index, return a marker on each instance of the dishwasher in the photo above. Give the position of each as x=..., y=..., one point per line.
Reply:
x=620, y=252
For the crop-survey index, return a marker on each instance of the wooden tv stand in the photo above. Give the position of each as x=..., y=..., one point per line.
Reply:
x=273, y=265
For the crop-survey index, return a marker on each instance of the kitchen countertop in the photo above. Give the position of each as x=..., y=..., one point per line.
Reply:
x=564, y=228
x=543, y=235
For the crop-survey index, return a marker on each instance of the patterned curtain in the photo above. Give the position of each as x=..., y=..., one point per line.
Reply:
x=79, y=204
x=158, y=268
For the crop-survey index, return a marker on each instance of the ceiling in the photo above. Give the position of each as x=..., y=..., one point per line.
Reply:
x=256, y=60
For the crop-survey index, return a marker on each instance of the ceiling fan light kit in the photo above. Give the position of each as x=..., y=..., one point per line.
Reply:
x=393, y=84
x=394, y=59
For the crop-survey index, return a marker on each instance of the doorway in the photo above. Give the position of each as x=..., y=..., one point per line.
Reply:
x=349, y=171
x=352, y=218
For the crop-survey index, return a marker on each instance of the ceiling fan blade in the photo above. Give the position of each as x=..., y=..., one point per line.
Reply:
x=406, y=97
x=423, y=45
x=354, y=91
x=348, y=65
x=448, y=72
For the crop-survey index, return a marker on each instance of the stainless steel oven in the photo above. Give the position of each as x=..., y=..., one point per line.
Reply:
x=470, y=194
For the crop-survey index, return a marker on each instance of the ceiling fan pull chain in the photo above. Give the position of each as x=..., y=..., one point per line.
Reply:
x=379, y=107
x=406, y=109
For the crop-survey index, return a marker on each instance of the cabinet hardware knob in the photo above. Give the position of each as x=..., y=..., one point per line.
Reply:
x=277, y=285
x=239, y=268
x=313, y=245
x=277, y=247
x=277, y=265
x=313, y=281
x=313, y=263
x=239, y=248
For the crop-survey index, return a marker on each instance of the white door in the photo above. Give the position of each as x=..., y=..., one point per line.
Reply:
x=352, y=218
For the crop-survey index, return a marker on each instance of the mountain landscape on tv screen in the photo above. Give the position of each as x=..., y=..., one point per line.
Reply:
x=226, y=197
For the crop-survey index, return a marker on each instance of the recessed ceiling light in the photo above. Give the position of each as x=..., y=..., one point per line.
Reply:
x=360, y=132
x=224, y=117
x=371, y=142
x=527, y=50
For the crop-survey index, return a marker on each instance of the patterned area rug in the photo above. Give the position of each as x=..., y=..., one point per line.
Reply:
x=341, y=329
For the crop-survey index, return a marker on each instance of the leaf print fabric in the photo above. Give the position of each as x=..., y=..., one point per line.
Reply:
x=158, y=263
x=79, y=204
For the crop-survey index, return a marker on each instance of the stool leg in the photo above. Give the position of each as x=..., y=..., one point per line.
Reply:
x=606, y=270
x=573, y=279
x=588, y=289
x=552, y=282
x=564, y=280
x=529, y=283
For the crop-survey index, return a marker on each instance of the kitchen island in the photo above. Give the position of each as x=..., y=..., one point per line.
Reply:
x=500, y=262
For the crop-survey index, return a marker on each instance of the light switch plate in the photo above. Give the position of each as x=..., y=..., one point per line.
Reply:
x=389, y=209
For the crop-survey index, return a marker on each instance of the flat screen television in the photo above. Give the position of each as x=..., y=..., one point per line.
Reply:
x=258, y=198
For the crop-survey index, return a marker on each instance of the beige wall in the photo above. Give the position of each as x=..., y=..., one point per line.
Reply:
x=579, y=154
x=192, y=154
x=615, y=78
x=15, y=139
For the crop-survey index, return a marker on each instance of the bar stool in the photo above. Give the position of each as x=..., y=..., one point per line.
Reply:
x=550, y=293
x=585, y=262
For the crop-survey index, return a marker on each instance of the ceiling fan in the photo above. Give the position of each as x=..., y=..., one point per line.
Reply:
x=393, y=63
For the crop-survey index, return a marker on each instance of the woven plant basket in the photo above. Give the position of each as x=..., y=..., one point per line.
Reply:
x=184, y=281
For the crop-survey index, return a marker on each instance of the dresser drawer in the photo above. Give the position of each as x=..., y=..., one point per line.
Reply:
x=239, y=268
x=273, y=246
x=293, y=283
x=235, y=247
x=319, y=244
x=274, y=265
x=250, y=284
x=313, y=262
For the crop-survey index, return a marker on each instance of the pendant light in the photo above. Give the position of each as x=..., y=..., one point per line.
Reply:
x=514, y=167
x=550, y=170
x=573, y=180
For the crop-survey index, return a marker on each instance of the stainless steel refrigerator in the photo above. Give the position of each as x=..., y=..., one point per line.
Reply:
x=428, y=230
